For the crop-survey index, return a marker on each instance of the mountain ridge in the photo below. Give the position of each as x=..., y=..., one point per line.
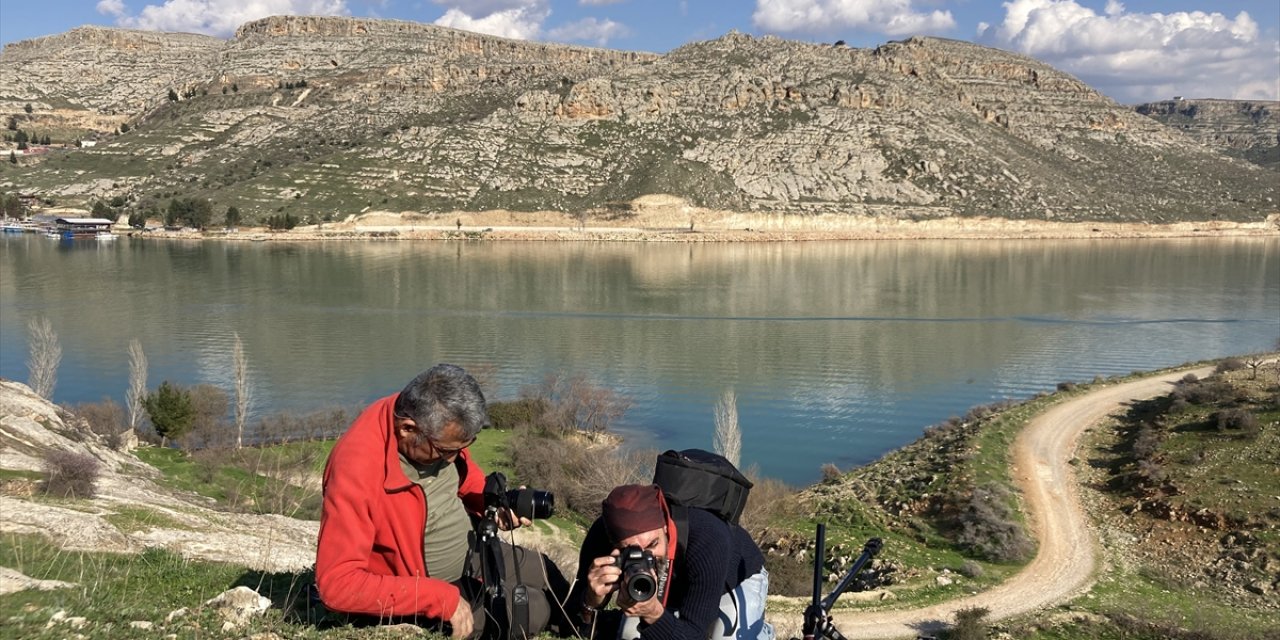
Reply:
x=324, y=117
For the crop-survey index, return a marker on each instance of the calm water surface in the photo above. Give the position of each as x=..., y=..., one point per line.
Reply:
x=838, y=352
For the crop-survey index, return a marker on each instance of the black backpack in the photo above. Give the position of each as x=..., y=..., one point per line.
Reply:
x=698, y=479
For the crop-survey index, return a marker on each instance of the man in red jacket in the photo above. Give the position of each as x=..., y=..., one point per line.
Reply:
x=398, y=490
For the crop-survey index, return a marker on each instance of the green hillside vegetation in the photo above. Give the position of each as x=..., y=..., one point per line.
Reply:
x=1182, y=489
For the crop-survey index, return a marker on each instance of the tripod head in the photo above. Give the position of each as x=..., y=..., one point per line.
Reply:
x=817, y=616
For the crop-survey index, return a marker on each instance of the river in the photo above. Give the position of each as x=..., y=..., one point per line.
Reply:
x=837, y=351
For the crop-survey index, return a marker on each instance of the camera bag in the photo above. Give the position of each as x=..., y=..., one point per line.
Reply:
x=699, y=479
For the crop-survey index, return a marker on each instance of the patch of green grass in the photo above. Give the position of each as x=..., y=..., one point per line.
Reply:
x=115, y=590
x=20, y=474
x=235, y=480
x=127, y=518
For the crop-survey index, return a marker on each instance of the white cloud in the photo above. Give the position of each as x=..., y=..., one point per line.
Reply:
x=890, y=17
x=111, y=7
x=485, y=8
x=1137, y=57
x=518, y=19
x=598, y=3
x=217, y=17
x=597, y=32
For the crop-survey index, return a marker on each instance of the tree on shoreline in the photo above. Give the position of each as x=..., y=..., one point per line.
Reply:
x=170, y=409
x=728, y=437
x=45, y=354
x=244, y=393
x=137, y=389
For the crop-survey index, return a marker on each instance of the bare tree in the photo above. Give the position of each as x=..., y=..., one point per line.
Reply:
x=728, y=439
x=46, y=353
x=137, y=388
x=244, y=393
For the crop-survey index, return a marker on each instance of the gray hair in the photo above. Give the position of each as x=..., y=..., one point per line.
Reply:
x=442, y=395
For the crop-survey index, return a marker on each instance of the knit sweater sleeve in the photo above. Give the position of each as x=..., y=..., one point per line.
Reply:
x=707, y=561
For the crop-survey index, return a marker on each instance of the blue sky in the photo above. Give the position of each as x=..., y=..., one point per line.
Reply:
x=1134, y=51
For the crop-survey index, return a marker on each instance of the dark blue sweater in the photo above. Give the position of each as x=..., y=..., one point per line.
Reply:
x=719, y=557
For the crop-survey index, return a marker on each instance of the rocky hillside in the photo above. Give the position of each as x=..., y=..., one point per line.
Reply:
x=324, y=117
x=1246, y=129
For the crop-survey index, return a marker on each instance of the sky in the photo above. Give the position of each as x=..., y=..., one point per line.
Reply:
x=1135, y=51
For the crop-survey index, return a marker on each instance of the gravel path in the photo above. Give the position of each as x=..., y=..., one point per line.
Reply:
x=1066, y=558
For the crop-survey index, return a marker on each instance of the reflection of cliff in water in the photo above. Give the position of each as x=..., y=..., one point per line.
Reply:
x=811, y=334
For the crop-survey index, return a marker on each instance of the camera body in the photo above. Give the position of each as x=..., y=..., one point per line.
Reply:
x=527, y=503
x=639, y=572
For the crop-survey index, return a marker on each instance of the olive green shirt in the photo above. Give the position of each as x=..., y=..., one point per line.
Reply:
x=444, y=542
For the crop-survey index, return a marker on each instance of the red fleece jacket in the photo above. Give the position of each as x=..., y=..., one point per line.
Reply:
x=369, y=555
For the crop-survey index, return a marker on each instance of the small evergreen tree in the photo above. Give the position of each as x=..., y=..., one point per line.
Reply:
x=138, y=219
x=170, y=410
x=124, y=128
x=13, y=157
x=101, y=210
x=173, y=96
x=235, y=88
x=27, y=107
x=233, y=217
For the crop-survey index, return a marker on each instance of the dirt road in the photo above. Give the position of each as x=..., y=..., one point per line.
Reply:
x=1066, y=558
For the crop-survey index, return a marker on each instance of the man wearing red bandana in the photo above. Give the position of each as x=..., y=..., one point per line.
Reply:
x=714, y=589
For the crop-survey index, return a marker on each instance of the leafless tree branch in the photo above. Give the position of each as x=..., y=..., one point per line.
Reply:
x=728, y=438
x=45, y=354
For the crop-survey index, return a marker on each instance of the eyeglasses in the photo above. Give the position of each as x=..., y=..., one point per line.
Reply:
x=449, y=453
x=440, y=451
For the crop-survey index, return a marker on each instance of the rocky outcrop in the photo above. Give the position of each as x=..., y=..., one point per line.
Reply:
x=31, y=426
x=324, y=117
x=1248, y=129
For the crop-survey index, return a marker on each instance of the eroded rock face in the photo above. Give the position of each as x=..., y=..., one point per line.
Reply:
x=1248, y=129
x=353, y=113
x=184, y=524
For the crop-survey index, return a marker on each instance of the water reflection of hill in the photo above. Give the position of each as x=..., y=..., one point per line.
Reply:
x=816, y=335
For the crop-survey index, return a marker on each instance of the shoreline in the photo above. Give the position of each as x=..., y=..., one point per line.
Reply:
x=504, y=228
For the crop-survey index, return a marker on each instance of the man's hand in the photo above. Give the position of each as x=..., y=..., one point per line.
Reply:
x=602, y=579
x=508, y=520
x=461, y=620
x=649, y=610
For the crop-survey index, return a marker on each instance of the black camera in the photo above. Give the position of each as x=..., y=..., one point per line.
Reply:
x=639, y=572
x=527, y=503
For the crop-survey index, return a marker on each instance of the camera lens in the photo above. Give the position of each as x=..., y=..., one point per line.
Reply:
x=531, y=503
x=641, y=585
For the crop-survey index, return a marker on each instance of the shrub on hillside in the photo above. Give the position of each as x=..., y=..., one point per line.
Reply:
x=988, y=528
x=1230, y=364
x=970, y=624
x=580, y=475
x=106, y=418
x=1235, y=420
x=573, y=403
x=524, y=412
x=289, y=427
x=788, y=576
x=830, y=473
x=68, y=474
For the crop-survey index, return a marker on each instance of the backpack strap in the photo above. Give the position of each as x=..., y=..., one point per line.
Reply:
x=680, y=516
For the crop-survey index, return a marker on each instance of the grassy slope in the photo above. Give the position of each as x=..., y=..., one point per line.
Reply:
x=914, y=541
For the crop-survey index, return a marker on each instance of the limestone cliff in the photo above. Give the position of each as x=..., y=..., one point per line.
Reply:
x=328, y=116
x=1247, y=129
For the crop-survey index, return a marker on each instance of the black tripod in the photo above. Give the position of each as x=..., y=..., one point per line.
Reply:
x=503, y=623
x=817, y=616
